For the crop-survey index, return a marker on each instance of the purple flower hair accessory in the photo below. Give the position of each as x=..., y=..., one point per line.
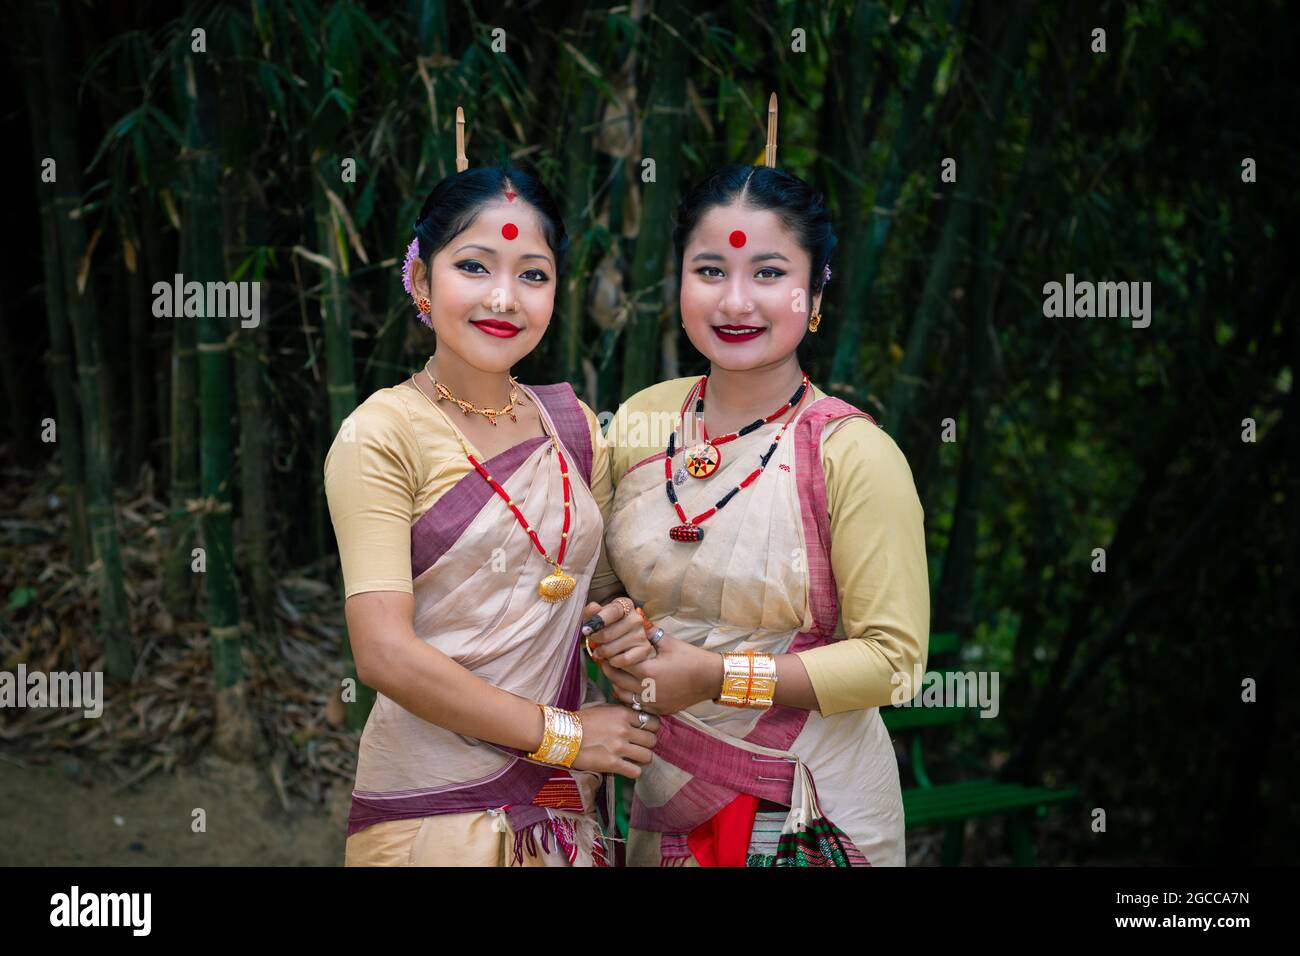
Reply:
x=412, y=251
x=826, y=274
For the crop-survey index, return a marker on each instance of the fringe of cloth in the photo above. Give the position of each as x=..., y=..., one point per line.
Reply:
x=535, y=840
x=673, y=849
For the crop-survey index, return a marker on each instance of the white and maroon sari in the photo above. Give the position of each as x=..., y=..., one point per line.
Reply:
x=475, y=575
x=761, y=579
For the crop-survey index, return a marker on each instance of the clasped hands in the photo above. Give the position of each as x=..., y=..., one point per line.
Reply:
x=663, y=678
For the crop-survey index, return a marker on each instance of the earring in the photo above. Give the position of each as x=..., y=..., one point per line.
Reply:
x=816, y=321
x=423, y=304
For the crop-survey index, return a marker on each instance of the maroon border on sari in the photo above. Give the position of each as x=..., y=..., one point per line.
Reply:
x=431, y=537
x=516, y=783
x=441, y=526
x=719, y=770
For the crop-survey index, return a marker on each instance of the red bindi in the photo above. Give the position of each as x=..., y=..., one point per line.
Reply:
x=510, y=230
x=510, y=197
x=737, y=239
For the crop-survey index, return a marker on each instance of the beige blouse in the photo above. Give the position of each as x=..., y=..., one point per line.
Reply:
x=393, y=458
x=877, y=547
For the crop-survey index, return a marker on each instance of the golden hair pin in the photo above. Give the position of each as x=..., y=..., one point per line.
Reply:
x=462, y=163
x=770, y=159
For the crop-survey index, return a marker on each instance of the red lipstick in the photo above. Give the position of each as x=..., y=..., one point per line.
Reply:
x=502, y=330
x=737, y=333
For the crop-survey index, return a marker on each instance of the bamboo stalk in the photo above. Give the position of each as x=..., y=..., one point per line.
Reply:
x=70, y=227
x=236, y=735
x=650, y=263
x=578, y=151
x=336, y=320
x=945, y=261
x=870, y=252
x=60, y=359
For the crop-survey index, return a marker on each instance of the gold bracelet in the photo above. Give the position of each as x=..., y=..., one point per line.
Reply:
x=748, y=680
x=561, y=738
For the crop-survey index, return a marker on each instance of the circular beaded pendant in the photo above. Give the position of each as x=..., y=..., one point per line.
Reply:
x=703, y=460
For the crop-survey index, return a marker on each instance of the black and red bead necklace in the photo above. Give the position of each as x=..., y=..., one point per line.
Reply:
x=703, y=460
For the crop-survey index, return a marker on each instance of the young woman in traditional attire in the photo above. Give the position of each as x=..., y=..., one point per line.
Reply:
x=469, y=537
x=775, y=539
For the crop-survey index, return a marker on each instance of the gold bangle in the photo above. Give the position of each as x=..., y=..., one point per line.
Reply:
x=748, y=680
x=561, y=737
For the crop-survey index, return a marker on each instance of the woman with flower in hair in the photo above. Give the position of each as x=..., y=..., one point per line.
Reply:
x=469, y=537
x=776, y=542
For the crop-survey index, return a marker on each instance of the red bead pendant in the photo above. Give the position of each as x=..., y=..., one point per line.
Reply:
x=686, y=532
x=702, y=460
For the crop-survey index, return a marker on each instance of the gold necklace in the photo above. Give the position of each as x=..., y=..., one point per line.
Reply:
x=489, y=413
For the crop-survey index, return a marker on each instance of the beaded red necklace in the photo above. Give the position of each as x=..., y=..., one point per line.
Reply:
x=689, y=530
x=558, y=585
x=703, y=459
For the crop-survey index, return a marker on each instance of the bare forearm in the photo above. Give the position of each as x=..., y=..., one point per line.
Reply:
x=429, y=684
x=793, y=687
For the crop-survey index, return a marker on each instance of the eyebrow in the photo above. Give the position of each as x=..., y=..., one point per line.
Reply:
x=490, y=251
x=715, y=257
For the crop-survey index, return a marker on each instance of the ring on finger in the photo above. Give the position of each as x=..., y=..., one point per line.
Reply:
x=626, y=604
x=656, y=637
x=642, y=718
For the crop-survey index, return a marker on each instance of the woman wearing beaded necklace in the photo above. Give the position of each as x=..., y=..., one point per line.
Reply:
x=775, y=540
x=469, y=536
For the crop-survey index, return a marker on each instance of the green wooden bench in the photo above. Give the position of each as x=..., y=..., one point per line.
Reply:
x=951, y=804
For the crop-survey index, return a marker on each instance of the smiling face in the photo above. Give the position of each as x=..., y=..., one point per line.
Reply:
x=744, y=292
x=492, y=296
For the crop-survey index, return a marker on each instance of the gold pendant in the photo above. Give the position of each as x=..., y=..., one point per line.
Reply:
x=554, y=588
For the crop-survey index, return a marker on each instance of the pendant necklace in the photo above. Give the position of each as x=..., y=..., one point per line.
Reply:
x=703, y=459
x=557, y=585
x=689, y=530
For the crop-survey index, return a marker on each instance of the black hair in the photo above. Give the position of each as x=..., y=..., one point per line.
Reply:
x=454, y=204
x=797, y=204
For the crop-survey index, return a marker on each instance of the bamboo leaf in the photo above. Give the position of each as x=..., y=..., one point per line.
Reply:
x=353, y=236
x=376, y=34
x=366, y=204
x=314, y=257
x=83, y=267
x=605, y=89
x=116, y=132
x=165, y=121
x=169, y=204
